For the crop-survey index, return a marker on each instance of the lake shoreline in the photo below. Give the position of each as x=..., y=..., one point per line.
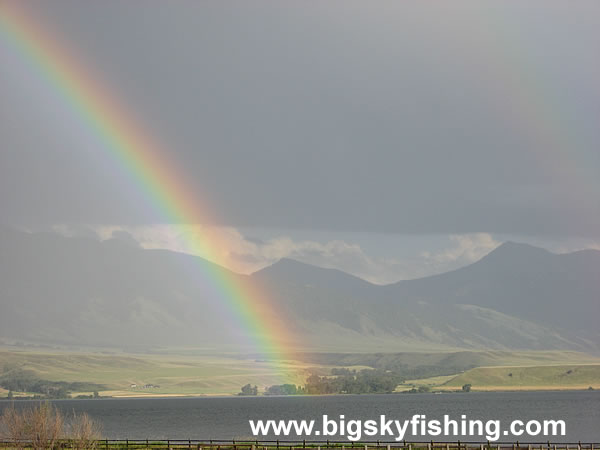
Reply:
x=226, y=395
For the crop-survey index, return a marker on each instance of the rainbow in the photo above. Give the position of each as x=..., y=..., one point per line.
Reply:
x=139, y=155
x=532, y=104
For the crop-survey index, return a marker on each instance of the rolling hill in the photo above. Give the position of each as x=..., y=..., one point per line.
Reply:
x=83, y=292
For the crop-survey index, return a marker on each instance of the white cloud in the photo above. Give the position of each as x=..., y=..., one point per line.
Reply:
x=468, y=248
x=231, y=249
x=246, y=255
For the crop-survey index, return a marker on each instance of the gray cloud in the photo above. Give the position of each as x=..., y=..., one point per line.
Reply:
x=394, y=117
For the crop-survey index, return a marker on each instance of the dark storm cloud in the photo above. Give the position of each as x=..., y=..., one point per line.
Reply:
x=396, y=117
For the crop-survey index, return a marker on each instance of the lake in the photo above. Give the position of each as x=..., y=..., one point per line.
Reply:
x=227, y=417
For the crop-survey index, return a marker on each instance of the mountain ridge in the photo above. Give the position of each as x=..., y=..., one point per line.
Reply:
x=79, y=290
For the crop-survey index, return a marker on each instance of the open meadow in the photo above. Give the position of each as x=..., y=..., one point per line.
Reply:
x=185, y=373
x=131, y=375
x=532, y=378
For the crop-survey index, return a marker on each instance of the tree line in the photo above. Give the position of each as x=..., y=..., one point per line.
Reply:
x=25, y=381
x=341, y=381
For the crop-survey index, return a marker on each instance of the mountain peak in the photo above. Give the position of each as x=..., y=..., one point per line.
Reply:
x=303, y=273
x=288, y=265
x=511, y=249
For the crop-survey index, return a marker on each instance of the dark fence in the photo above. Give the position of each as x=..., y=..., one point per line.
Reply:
x=294, y=445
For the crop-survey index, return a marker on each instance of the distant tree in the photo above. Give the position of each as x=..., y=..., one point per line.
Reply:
x=96, y=395
x=61, y=392
x=283, y=389
x=343, y=371
x=10, y=394
x=249, y=390
x=424, y=389
x=466, y=387
x=345, y=381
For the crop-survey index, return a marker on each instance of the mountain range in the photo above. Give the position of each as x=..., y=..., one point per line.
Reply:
x=56, y=290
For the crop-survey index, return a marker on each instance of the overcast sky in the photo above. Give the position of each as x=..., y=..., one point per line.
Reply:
x=383, y=125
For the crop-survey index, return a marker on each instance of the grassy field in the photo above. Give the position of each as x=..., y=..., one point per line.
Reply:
x=462, y=360
x=431, y=382
x=528, y=378
x=188, y=373
x=179, y=375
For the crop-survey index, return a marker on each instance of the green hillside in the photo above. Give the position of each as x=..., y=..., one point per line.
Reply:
x=169, y=375
x=529, y=378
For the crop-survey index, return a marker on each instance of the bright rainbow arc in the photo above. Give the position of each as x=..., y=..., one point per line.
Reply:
x=157, y=179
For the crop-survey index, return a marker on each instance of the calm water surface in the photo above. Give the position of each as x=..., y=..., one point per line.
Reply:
x=227, y=418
